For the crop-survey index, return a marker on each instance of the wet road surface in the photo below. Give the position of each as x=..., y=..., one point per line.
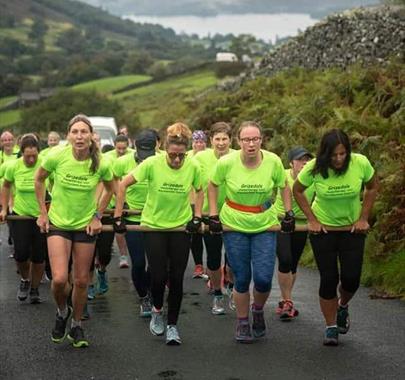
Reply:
x=121, y=346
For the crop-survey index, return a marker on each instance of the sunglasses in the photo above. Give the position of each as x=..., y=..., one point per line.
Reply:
x=173, y=156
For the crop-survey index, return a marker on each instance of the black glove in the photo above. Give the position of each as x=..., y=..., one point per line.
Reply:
x=288, y=223
x=214, y=224
x=119, y=225
x=194, y=225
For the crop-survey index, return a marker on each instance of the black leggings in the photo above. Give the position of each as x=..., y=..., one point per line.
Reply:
x=348, y=249
x=167, y=254
x=29, y=243
x=289, y=250
x=213, y=243
x=104, y=244
x=197, y=248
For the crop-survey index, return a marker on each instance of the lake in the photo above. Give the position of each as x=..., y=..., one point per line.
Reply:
x=264, y=26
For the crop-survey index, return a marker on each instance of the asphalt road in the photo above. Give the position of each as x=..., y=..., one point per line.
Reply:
x=122, y=347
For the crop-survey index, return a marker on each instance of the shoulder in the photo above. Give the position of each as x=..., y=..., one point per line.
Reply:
x=270, y=156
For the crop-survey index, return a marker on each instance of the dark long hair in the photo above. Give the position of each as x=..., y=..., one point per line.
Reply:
x=330, y=140
x=94, y=151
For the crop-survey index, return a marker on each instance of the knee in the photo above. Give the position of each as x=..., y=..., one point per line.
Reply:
x=262, y=283
x=327, y=290
x=59, y=281
x=241, y=282
x=350, y=284
x=81, y=282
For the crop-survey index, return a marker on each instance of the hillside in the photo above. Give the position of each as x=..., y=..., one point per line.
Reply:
x=215, y=7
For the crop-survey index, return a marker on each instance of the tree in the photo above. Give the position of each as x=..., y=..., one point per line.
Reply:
x=38, y=29
x=55, y=112
x=137, y=63
x=72, y=40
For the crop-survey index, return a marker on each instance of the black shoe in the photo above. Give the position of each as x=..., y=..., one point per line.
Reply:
x=34, y=296
x=76, y=336
x=343, y=320
x=59, y=331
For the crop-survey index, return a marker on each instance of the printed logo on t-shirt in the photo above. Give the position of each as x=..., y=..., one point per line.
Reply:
x=339, y=191
x=251, y=189
x=172, y=188
x=76, y=181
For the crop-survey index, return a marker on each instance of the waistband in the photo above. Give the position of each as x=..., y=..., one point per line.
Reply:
x=252, y=209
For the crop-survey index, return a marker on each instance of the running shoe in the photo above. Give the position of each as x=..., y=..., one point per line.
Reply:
x=229, y=293
x=124, y=262
x=157, y=326
x=102, y=279
x=243, y=333
x=145, y=307
x=44, y=278
x=259, y=324
x=218, y=305
x=85, y=314
x=210, y=287
x=34, y=296
x=289, y=312
x=343, y=320
x=91, y=292
x=172, y=336
x=76, y=337
x=23, y=290
x=59, y=331
x=279, y=308
x=331, y=336
x=198, y=271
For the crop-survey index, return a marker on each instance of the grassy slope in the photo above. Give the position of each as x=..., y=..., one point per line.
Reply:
x=149, y=100
x=110, y=84
x=9, y=118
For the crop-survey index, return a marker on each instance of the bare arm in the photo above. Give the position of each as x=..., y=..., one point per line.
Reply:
x=120, y=198
x=40, y=177
x=286, y=196
x=5, y=198
x=369, y=196
x=213, y=199
x=313, y=224
x=199, y=201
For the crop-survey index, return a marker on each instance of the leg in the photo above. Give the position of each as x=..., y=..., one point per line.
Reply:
x=83, y=253
x=284, y=255
x=136, y=249
x=122, y=246
x=238, y=252
x=178, y=251
x=325, y=248
x=156, y=245
x=38, y=254
x=59, y=249
x=213, y=244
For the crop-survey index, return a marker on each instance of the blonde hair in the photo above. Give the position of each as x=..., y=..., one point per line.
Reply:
x=178, y=134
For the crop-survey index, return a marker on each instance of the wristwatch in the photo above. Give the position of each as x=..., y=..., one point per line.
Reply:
x=98, y=215
x=290, y=214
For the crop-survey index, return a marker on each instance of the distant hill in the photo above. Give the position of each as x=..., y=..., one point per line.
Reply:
x=316, y=8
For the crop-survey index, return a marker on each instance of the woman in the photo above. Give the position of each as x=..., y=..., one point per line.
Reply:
x=29, y=243
x=339, y=177
x=290, y=246
x=220, y=138
x=249, y=177
x=77, y=169
x=199, y=144
x=135, y=198
x=171, y=177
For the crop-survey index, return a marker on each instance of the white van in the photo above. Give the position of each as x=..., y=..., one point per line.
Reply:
x=106, y=127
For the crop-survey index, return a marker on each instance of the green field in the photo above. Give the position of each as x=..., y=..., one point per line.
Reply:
x=151, y=100
x=110, y=84
x=9, y=118
x=8, y=99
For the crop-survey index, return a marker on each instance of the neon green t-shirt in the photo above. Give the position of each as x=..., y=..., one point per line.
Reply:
x=22, y=177
x=6, y=158
x=337, y=198
x=136, y=193
x=279, y=205
x=73, y=196
x=250, y=187
x=207, y=161
x=112, y=157
x=167, y=203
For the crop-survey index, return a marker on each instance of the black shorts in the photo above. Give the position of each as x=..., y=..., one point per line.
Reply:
x=74, y=236
x=29, y=243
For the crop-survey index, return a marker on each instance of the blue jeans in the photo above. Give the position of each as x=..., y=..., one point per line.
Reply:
x=140, y=275
x=249, y=253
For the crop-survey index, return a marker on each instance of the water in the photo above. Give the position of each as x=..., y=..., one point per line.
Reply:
x=264, y=26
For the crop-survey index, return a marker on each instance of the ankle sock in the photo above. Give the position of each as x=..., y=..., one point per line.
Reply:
x=257, y=307
x=244, y=320
x=76, y=323
x=63, y=312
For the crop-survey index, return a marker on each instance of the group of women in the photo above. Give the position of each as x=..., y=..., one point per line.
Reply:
x=232, y=193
